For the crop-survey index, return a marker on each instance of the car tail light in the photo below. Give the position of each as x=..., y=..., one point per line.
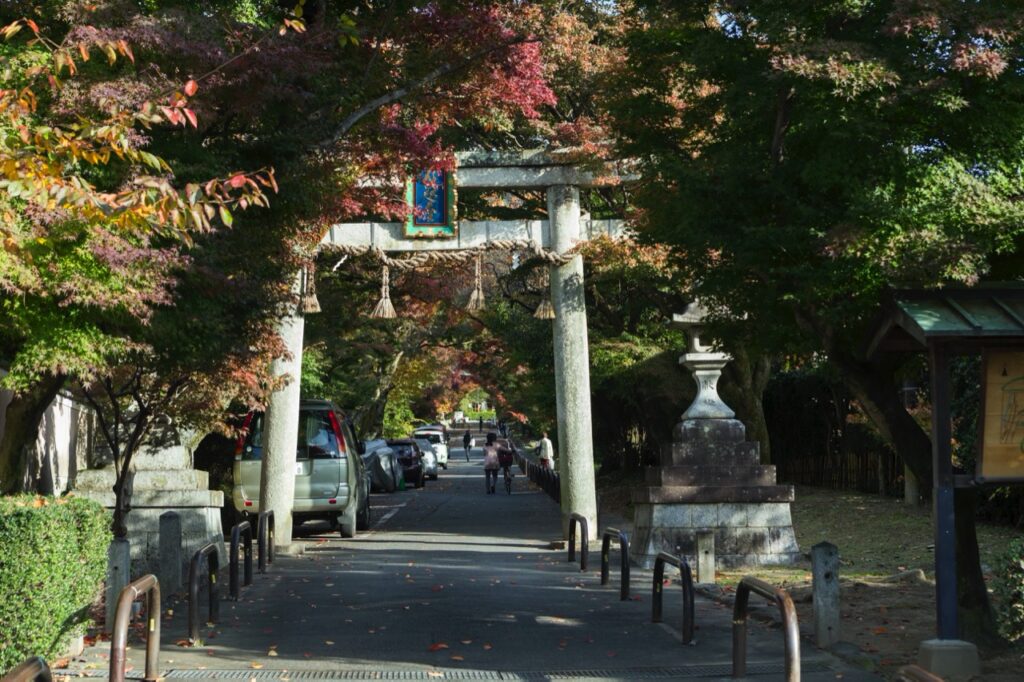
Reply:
x=247, y=503
x=336, y=425
x=333, y=500
x=240, y=443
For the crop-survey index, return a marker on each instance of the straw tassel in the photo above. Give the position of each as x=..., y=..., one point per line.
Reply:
x=545, y=311
x=476, y=299
x=309, y=304
x=384, y=310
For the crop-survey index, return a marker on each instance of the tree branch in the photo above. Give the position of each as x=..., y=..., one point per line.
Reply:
x=409, y=88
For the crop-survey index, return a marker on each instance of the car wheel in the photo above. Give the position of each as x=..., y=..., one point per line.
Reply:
x=347, y=522
x=422, y=480
x=445, y=466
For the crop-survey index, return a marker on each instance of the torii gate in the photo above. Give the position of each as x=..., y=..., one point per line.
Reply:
x=560, y=233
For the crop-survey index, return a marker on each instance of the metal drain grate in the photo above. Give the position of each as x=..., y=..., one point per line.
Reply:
x=675, y=672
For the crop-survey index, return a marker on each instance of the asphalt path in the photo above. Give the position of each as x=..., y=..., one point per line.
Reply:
x=453, y=583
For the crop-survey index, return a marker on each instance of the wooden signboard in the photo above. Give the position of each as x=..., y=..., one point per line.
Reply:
x=1001, y=455
x=430, y=197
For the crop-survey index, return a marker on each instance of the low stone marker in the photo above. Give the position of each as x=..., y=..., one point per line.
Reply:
x=825, y=574
x=170, y=553
x=119, y=566
x=706, y=556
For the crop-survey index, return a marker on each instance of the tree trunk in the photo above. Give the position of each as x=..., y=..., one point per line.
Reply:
x=371, y=421
x=876, y=390
x=21, y=427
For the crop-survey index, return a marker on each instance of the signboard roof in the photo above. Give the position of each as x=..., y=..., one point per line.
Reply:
x=915, y=318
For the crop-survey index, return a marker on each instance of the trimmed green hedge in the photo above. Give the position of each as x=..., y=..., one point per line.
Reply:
x=53, y=560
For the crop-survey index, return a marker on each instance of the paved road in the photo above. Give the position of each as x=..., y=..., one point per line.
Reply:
x=452, y=583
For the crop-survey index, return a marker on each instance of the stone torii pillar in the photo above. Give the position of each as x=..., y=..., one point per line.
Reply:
x=572, y=362
x=281, y=429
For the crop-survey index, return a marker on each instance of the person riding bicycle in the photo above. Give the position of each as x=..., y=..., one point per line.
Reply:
x=506, y=458
x=493, y=456
x=467, y=441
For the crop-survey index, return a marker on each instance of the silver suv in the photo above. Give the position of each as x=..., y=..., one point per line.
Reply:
x=330, y=480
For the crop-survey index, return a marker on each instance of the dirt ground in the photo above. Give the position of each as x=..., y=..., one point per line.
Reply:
x=886, y=563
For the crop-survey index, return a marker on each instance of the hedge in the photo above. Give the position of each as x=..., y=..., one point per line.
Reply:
x=53, y=559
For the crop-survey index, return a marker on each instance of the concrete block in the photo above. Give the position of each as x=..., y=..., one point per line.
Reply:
x=710, y=431
x=643, y=515
x=952, y=659
x=171, y=479
x=825, y=586
x=732, y=515
x=782, y=540
x=171, y=560
x=703, y=515
x=672, y=515
x=706, y=556
x=161, y=499
x=118, y=576
x=173, y=457
x=769, y=514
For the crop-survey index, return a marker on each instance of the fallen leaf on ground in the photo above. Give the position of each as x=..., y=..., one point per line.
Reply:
x=467, y=641
x=255, y=665
x=328, y=642
x=487, y=647
x=456, y=657
x=437, y=646
x=272, y=652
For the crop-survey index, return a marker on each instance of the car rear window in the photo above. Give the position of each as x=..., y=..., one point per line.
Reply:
x=403, y=449
x=316, y=437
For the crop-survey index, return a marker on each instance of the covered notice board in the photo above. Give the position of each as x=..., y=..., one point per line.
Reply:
x=1002, y=416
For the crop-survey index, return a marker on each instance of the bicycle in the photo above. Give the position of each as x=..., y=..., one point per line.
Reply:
x=507, y=472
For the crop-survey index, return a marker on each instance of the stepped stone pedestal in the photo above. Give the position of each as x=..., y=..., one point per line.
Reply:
x=711, y=479
x=162, y=480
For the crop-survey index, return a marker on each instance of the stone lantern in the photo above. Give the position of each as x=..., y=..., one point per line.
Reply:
x=711, y=483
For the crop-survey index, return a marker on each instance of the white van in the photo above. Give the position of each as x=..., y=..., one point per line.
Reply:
x=437, y=438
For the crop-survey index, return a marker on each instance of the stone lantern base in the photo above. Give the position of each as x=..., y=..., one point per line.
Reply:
x=712, y=480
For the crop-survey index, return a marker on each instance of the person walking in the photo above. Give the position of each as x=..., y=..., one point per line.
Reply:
x=546, y=452
x=481, y=424
x=493, y=454
x=467, y=442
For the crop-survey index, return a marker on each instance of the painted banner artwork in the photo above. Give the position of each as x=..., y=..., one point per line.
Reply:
x=1002, y=428
x=431, y=200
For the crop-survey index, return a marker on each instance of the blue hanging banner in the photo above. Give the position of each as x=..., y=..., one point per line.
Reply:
x=430, y=197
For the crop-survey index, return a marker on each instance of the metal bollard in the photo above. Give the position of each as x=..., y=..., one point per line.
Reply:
x=687, y=582
x=149, y=586
x=574, y=519
x=606, y=537
x=236, y=537
x=265, y=538
x=790, y=627
x=208, y=551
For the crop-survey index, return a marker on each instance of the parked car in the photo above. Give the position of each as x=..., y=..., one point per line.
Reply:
x=429, y=458
x=411, y=458
x=330, y=480
x=438, y=438
x=381, y=462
